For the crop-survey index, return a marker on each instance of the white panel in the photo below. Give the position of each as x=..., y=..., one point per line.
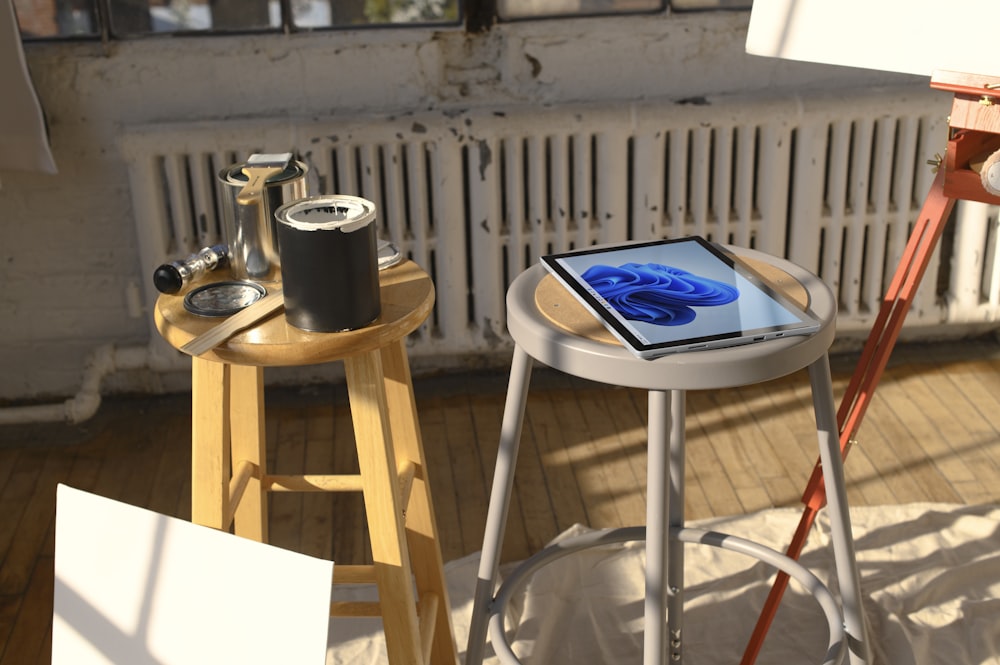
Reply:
x=699, y=170
x=369, y=172
x=346, y=171
x=513, y=178
x=416, y=178
x=538, y=196
x=611, y=213
x=807, y=207
x=393, y=205
x=721, y=174
x=743, y=185
x=992, y=277
x=450, y=268
x=772, y=176
x=678, y=176
x=485, y=239
x=582, y=194
x=881, y=213
x=856, y=218
x=132, y=586
x=648, y=203
x=909, y=36
x=560, y=193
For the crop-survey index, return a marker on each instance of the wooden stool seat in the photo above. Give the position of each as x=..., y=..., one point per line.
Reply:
x=230, y=477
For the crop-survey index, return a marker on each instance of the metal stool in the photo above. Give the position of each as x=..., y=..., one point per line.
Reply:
x=558, y=335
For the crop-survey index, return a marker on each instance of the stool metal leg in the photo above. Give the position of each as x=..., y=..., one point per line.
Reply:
x=840, y=520
x=654, y=646
x=675, y=510
x=496, y=518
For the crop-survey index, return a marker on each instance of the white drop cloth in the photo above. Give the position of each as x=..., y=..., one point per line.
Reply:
x=930, y=580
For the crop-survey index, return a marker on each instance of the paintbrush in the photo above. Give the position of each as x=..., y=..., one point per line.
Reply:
x=258, y=169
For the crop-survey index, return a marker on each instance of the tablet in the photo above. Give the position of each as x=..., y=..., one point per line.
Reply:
x=683, y=294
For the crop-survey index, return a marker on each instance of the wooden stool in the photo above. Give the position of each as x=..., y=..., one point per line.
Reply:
x=230, y=479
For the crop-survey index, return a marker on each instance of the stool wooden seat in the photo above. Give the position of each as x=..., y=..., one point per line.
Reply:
x=230, y=477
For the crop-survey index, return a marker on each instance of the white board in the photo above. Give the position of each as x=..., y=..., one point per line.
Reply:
x=906, y=36
x=24, y=142
x=133, y=586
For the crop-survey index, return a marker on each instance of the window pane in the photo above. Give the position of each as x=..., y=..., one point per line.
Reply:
x=47, y=19
x=345, y=13
x=681, y=5
x=130, y=17
x=136, y=17
x=511, y=9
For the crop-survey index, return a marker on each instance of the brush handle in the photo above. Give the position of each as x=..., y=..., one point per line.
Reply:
x=258, y=176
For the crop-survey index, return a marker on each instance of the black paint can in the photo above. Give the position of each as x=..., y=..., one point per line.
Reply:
x=329, y=262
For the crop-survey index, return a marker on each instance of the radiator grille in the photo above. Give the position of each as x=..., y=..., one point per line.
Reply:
x=832, y=183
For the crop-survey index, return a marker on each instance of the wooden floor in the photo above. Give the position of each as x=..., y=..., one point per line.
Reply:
x=932, y=434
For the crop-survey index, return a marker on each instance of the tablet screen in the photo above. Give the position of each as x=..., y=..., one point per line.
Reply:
x=677, y=295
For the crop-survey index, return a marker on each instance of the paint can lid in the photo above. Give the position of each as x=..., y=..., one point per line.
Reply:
x=223, y=298
x=234, y=174
x=324, y=213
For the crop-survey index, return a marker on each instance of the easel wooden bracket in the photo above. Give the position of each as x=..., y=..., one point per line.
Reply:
x=974, y=135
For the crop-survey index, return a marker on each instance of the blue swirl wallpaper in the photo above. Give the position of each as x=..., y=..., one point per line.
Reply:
x=655, y=293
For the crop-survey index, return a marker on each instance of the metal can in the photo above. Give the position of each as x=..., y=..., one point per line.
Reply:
x=329, y=261
x=249, y=227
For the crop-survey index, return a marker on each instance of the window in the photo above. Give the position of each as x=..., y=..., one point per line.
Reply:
x=122, y=19
x=515, y=9
x=46, y=19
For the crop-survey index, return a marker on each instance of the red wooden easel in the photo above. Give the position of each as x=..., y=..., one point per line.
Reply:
x=974, y=134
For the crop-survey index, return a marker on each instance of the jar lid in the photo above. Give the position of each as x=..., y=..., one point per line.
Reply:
x=223, y=298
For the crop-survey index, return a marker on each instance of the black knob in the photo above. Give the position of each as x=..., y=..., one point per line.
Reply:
x=167, y=279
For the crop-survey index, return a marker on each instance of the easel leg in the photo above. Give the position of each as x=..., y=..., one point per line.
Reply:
x=885, y=331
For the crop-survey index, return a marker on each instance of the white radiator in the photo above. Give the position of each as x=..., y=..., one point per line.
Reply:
x=831, y=182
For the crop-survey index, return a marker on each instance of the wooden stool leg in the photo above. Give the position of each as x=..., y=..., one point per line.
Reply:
x=377, y=462
x=421, y=526
x=248, y=446
x=210, y=436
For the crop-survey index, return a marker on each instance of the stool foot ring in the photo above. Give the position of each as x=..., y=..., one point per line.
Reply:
x=515, y=582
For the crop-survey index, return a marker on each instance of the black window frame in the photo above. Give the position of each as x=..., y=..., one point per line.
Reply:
x=474, y=17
